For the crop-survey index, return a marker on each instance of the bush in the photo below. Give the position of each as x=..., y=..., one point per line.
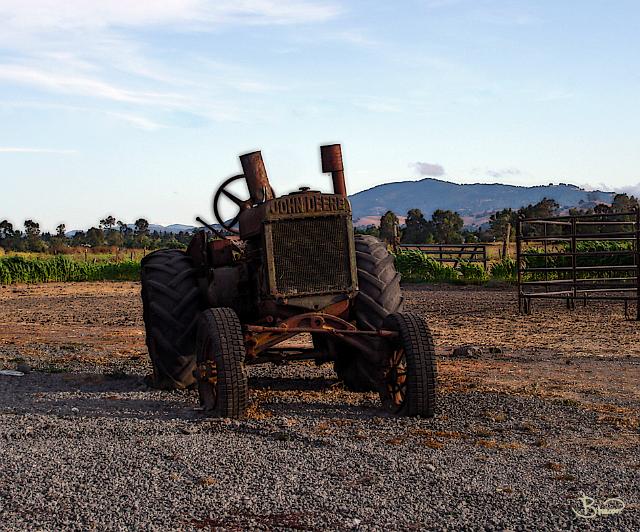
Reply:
x=473, y=271
x=505, y=270
x=415, y=266
x=174, y=244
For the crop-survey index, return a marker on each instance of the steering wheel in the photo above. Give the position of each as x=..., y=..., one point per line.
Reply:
x=243, y=205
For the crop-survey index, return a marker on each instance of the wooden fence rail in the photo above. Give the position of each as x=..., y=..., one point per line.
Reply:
x=452, y=253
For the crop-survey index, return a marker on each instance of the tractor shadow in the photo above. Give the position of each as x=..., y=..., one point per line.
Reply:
x=292, y=384
x=323, y=411
x=116, y=395
x=127, y=396
x=312, y=397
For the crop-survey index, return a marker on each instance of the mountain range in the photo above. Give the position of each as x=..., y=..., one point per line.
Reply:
x=173, y=228
x=474, y=202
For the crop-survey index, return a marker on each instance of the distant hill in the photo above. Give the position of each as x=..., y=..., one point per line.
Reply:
x=173, y=228
x=474, y=202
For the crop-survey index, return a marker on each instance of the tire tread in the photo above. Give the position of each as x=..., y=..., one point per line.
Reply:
x=171, y=304
x=222, y=327
x=417, y=341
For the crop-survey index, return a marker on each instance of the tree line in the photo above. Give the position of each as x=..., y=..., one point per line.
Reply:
x=444, y=227
x=447, y=227
x=109, y=232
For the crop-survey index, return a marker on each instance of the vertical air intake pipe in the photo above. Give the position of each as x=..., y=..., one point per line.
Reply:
x=256, y=176
x=331, y=156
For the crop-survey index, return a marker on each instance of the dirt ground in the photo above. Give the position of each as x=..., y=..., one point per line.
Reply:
x=590, y=355
x=545, y=407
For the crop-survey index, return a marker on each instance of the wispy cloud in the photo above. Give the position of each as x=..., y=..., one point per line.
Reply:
x=355, y=36
x=13, y=149
x=84, y=86
x=507, y=175
x=503, y=172
x=488, y=11
x=436, y=4
x=378, y=105
x=428, y=169
x=91, y=51
x=553, y=95
x=137, y=121
x=46, y=15
x=501, y=13
x=197, y=99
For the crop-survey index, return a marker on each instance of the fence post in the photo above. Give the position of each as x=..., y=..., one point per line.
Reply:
x=505, y=242
x=455, y=262
x=518, y=259
x=573, y=257
x=546, y=258
x=637, y=257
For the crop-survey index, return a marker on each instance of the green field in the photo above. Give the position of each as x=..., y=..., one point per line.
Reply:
x=41, y=268
x=31, y=268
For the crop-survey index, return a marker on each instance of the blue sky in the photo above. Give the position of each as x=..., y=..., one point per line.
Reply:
x=141, y=108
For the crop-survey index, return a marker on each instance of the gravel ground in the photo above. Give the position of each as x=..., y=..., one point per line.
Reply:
x=86, y=445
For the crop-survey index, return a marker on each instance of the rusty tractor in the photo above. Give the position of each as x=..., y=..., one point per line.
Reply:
x=284, y=266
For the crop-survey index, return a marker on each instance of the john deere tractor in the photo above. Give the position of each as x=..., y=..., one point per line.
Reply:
x=280, y=267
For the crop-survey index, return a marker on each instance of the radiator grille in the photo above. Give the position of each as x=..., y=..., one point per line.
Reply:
x=311, y=255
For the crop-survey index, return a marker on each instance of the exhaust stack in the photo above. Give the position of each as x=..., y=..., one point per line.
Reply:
x=331, y=156
x=256, y=176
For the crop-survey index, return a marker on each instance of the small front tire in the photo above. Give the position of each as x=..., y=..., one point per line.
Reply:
x=409, y=382
x=220, y=353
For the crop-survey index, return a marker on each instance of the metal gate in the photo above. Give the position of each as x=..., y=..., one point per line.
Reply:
x=579, y=258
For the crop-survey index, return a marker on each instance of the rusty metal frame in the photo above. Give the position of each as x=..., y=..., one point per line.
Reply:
x=261, y=338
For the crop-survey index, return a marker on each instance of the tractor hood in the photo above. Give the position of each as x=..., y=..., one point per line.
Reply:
x=303, y=204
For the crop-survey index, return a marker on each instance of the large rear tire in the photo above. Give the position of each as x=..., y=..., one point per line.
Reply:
x=222, y=381
x=378, y=283
x=171, y=303
x=379, y=295
x=410, y=376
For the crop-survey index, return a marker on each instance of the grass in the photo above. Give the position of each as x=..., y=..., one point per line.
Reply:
x=41, y=268
x=81, y=255
x=21, y=269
